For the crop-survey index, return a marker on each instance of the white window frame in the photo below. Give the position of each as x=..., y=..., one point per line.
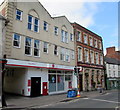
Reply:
x=67, y=55
x=92, y=56
x=30, y=22
x=62, y=54
x=85, y=38
x=79, y=36
x=33, y=23
x=71, y=37
x=38, y=48
x=91, y=41
x=56, y=50
x=97, y=58
x=95, y=43
x=36, y=25
x=19, y=15
x=80, y=55
x=45, y=46
x=56, y=30
x=29, y=46
x=45, y=27
x=19, y=41
x=66, y=37
x=62, y=36
x=86, y=55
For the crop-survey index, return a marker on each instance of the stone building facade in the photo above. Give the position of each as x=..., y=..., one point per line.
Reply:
x=89, y=56
x=39, y=50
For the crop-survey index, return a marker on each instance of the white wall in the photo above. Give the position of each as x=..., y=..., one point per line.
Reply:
x=33, y=72
x=110, y=69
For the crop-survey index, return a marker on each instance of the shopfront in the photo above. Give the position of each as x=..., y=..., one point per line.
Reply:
x=59, y=81
x=34, y=79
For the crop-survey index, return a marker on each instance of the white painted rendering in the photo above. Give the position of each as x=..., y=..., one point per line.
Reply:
x=112, y=70
x=34, y=72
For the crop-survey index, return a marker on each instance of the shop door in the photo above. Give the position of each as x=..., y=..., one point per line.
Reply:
x=35, y=86
x=80, y=82
x=45, y=88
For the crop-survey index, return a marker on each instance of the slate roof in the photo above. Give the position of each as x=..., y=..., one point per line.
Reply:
x=112, y=60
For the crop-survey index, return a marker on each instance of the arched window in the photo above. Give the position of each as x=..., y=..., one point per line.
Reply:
x=64, y=34
x=33, y=21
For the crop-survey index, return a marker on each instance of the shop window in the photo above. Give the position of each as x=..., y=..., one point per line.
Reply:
x=52, y=78
x=60, y=82
x=68, y=77
x=52, y=82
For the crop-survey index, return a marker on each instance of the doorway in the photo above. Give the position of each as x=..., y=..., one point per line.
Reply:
x=35, y=86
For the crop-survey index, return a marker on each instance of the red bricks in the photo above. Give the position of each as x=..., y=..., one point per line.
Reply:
x=111, y=53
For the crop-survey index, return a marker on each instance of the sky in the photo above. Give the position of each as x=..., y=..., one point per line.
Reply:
x=99, y=16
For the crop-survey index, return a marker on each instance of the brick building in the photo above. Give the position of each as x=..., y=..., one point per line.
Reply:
x=89, y=56
x=112, y=53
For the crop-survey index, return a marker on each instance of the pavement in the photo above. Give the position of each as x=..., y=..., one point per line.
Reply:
x=20, y=102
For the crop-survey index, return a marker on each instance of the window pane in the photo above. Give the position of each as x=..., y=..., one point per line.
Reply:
x=30, y=19
x=29, y=26
x=27, y=50
x=36, y=21
x=18, y=12
x=36, y=28
x=16, y=43
x=28, y=41
x=16, y=40
x=18, y=17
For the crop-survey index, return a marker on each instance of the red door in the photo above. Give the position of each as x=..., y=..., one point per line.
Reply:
x=45, y=89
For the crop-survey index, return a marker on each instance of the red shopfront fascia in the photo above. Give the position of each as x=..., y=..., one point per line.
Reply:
x=17, y=63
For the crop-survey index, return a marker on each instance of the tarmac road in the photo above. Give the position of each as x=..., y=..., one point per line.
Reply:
x=108, y=100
